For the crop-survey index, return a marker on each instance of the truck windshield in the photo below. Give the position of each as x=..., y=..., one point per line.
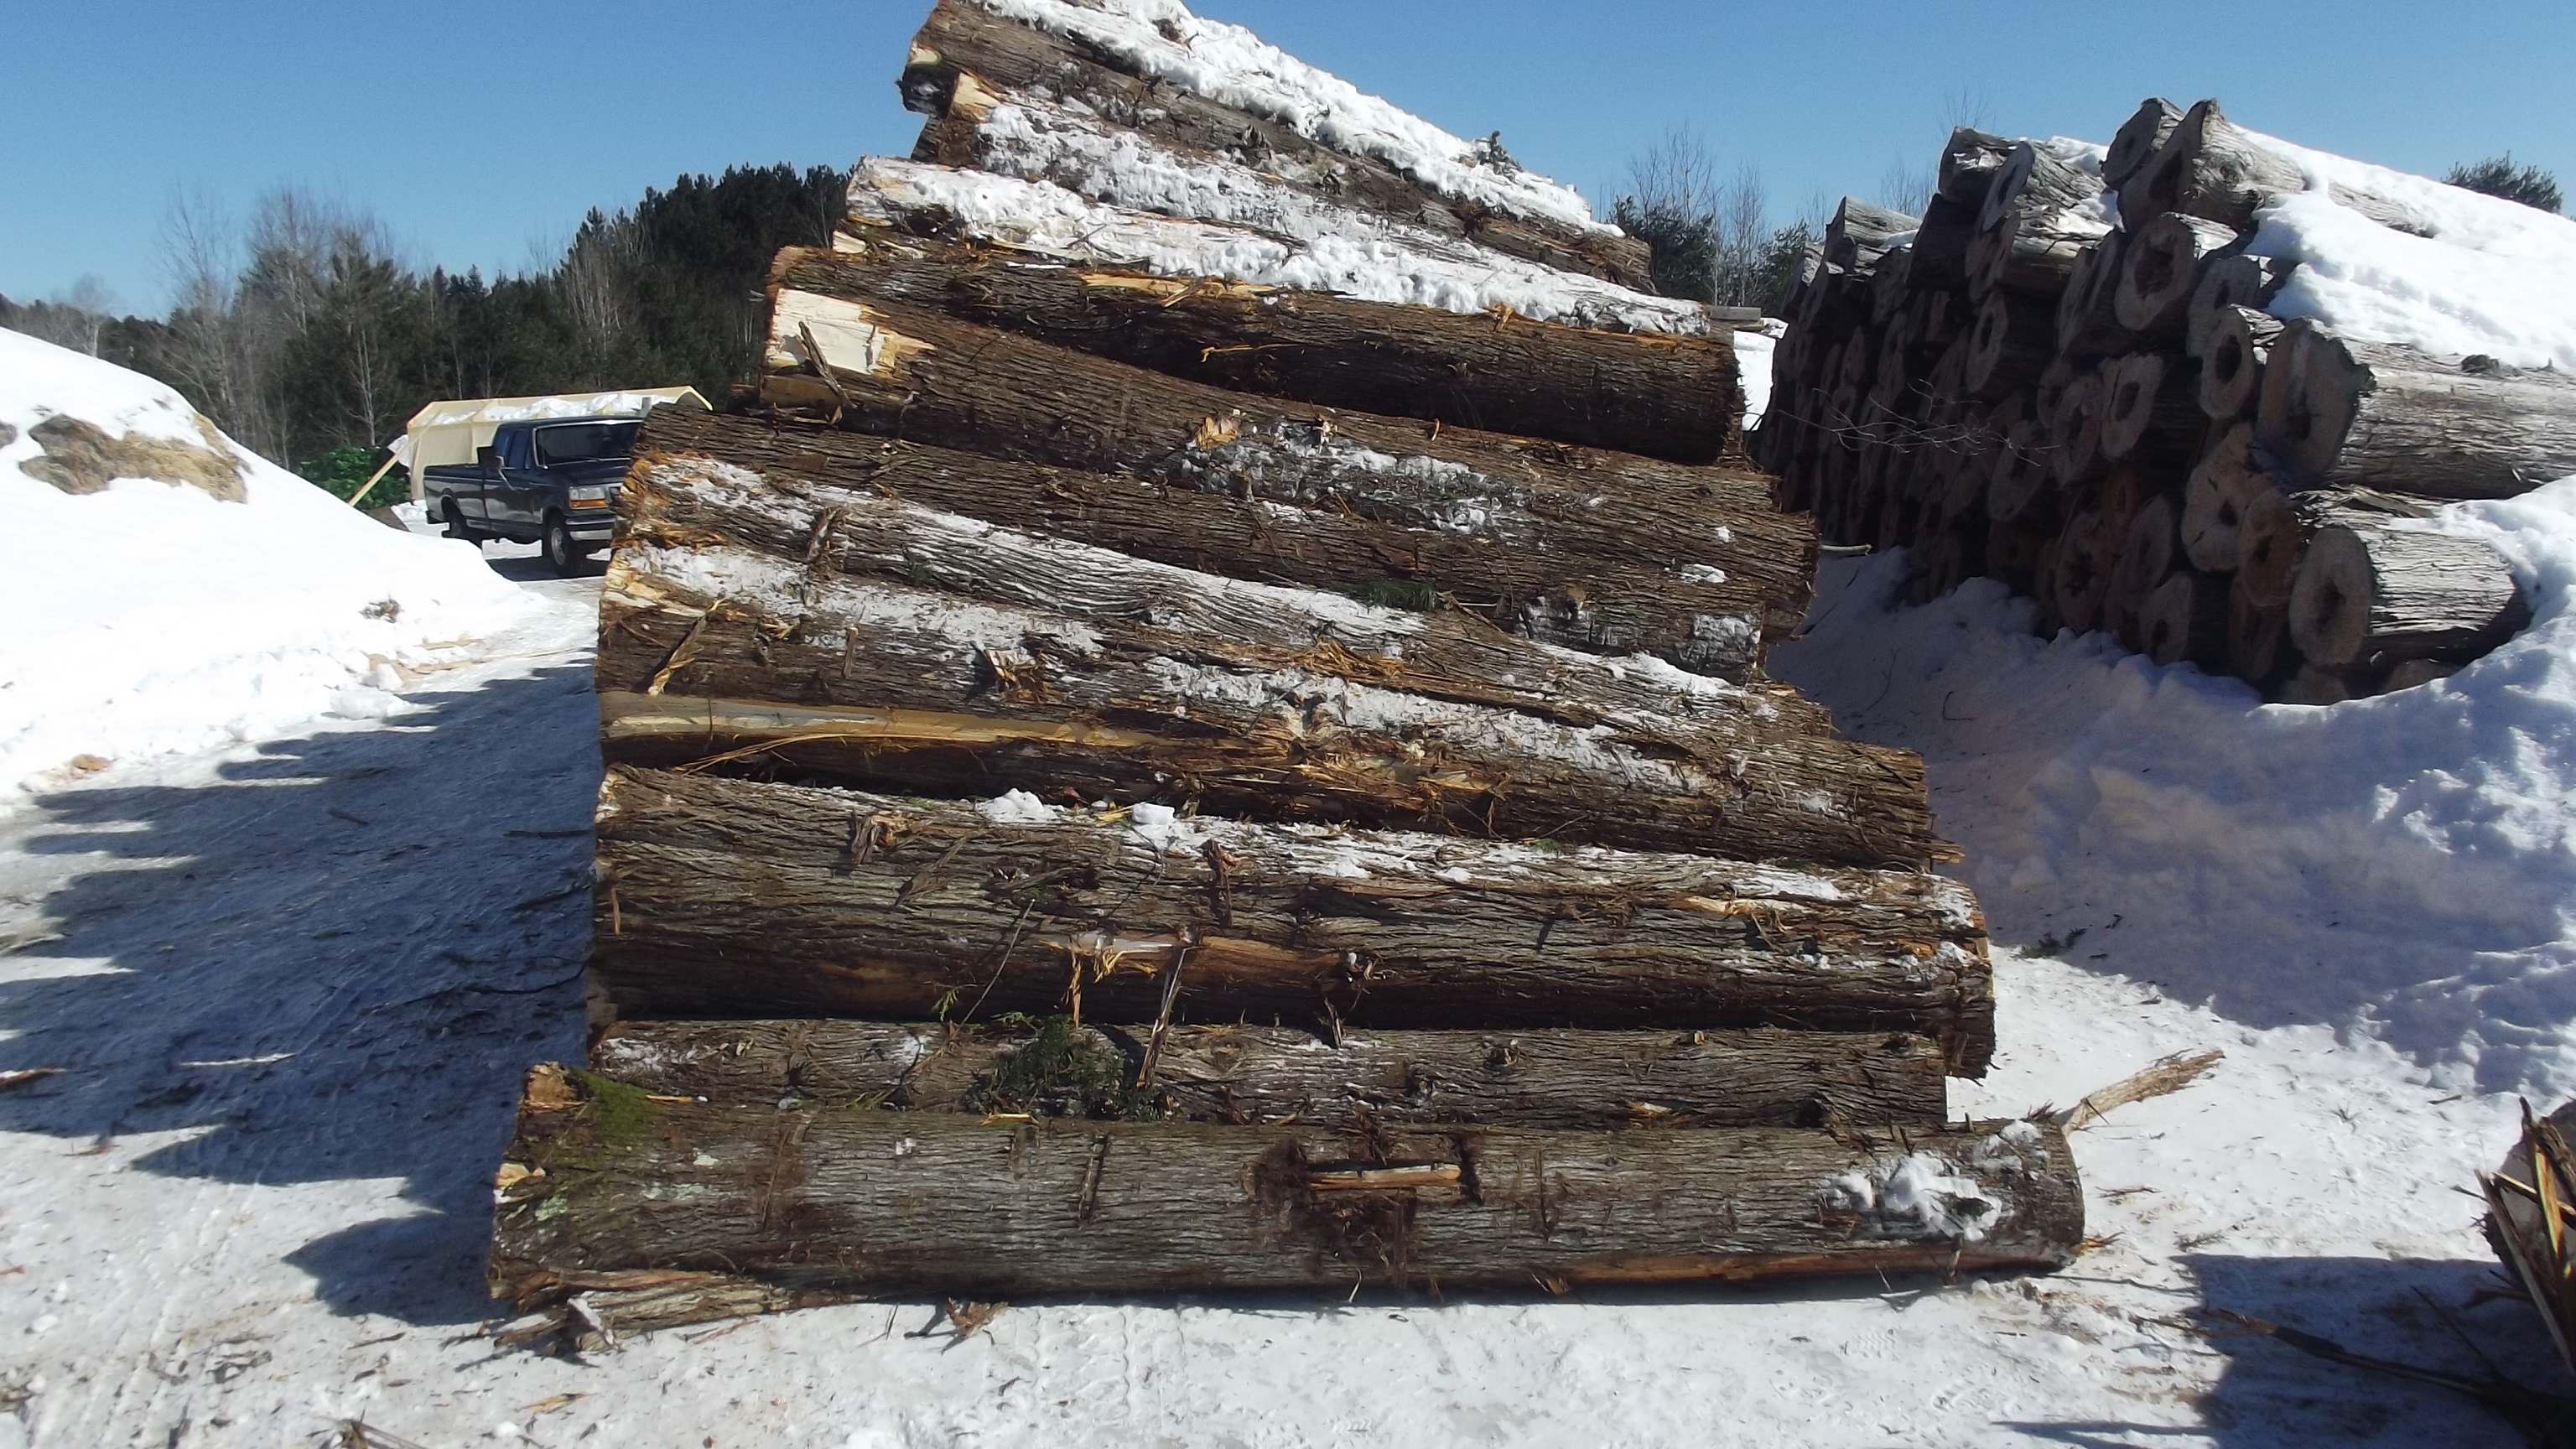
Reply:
x=579, y=442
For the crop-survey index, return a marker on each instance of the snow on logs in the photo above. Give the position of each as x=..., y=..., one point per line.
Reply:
x=1656, y=394
x=1118, y=781
x=2126, y=436
x=1205, y=89
x=1702, y=554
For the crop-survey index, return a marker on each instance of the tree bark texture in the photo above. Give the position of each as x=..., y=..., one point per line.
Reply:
x=960, y=38
x=2212, y=168
x=902, y=371
x=2371, y=596
x=2336, y=412
x=2032, y=255
x=1514, y=611
x=603, y=1180
x=1859, y=234
x=1655, y=394
x=1969, y=161
x=721, y=652
x=2088, y=323
x=1246, y=1075
x=722, y=897
x=2034, y=183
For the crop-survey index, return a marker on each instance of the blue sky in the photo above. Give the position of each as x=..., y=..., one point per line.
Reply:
x=480, y=132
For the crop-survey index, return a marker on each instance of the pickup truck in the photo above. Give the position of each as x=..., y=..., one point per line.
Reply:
x=546, y=482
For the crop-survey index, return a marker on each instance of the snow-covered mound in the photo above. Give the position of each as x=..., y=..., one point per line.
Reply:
x=2404, y=864
x=2495, y=276
x=169, y=590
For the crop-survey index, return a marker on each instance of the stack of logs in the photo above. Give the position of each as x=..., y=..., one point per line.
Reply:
x=2060, y=375
x=1110, y=788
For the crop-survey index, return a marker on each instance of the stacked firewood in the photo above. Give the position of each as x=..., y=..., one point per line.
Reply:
x=2060, y=375
x=1137, y=776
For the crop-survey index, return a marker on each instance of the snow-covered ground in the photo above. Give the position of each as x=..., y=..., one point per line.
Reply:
x=191, y=593
x=292, y=986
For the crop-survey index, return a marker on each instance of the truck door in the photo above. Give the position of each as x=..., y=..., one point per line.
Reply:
x=514, y=499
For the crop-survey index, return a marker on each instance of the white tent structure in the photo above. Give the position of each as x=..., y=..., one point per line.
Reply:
x=449, y=432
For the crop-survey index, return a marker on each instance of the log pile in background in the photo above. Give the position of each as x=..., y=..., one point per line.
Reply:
x=2059, y=376
x=1124, y=778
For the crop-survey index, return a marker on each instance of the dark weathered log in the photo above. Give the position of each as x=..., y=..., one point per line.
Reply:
x=2210, y=167
x=2075, y=431
x=2151, y=410
x=2374, y=415
x=2034, y=182
x=900, y=370
x=2233, y=356
x=1940, y=259
x=2258, y=637
x=1656, y=394
x=729, y=897
x=2371, y=596
x=2160, y=272
x=2018, y=478
x=1860, y=234
x=601, y=1180
x=961, y=39
x=2215, y=498
x=2184, y=620
x=2279, y=522
x=2241, y=280
x=1889, y=290
x=2269, y=541
x=1246, y=1075
x=1835, y=301
x=1969, y=161
x=1616, y=612
x=2313, y=684
x=897, y=687
x=2032, y=255
x=2087, y=552
x=2015, y=552
x=2146, y=559
x=2012, y=342
x=2088, y=325
x=890, y=685
x=2138, y=137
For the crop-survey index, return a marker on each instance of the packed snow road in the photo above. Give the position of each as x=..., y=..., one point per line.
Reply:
x=290, y=988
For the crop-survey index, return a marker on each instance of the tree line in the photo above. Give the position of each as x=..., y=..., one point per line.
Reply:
x=304, y=336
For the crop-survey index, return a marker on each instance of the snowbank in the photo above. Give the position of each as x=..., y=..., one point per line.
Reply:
x=150, y=615
x=1227, y=64
x=2403, y=864
x=2495, y=276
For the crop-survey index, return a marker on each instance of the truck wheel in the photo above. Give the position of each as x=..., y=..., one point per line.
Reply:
x=563, y=555
x=456, y=528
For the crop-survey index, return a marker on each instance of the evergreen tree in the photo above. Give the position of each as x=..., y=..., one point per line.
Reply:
x=2498, y=176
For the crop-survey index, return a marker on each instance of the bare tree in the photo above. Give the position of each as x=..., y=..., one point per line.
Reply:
x=596, y=279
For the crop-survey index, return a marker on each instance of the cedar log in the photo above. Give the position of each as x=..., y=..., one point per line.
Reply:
x=899, y=370
x=603, y=1188
x=1247, y=1075
x=2374, y=415
x=961, y=39
x=731, y=897
x=1656, y=394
